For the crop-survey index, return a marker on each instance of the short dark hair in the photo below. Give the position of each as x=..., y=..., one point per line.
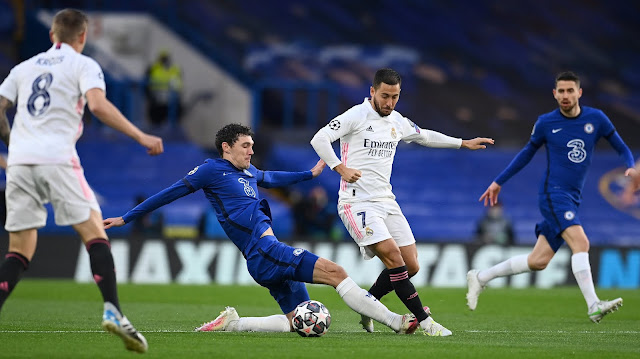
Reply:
x=568, y=76
x=68, y=24
x=388, y=76
x=230, y=134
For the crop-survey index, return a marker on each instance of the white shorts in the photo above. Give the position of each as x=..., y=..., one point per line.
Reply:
x=373, y=222
x=30, y=187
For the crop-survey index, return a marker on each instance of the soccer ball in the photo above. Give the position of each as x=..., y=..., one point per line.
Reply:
x=311, y=319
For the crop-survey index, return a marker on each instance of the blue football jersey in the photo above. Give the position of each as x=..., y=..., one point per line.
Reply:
x=232, y=192
x=570, y=143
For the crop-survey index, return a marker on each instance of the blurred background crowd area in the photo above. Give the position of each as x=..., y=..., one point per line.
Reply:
x=286, y=67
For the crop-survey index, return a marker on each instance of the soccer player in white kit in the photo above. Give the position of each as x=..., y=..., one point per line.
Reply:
x=369, y=134
x=50, y=91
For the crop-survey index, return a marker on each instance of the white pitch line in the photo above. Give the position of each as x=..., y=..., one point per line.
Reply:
x=346, y=331
x=551, y=332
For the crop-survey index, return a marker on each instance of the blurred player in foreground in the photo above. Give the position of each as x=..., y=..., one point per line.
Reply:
x=231, y=185
x=51, y=90
x=369, y=134
x=570, y=134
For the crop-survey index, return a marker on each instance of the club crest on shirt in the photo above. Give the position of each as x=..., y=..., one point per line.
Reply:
x=248, y=190
x=334, y=124
x=298, y=251
x=193, y=171
x=569, y=215
x=368, y=231
x=588, y=128
x=393, y=133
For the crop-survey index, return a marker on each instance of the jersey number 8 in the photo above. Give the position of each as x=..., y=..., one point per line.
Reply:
x=40, y=86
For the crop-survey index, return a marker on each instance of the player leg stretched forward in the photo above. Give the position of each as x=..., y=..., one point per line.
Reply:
x=231, y=185
x=283, y=269
x=369, y=134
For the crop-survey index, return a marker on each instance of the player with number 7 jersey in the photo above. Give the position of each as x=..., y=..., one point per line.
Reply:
x=369, y=134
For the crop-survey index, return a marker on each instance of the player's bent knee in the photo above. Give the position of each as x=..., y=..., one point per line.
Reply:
x=338, y=272
x=537, y=264
x=328, y=272
x=413, y=269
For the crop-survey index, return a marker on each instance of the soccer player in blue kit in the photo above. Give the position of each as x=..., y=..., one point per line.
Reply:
x=570, y=134
x=231, y=185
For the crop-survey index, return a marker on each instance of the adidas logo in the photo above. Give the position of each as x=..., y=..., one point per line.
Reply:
x=370, y=129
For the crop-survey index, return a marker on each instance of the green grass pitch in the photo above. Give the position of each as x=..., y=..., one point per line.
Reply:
x=61, y=319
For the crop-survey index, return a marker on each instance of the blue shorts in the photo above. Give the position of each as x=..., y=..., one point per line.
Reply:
x=283, y=270
x=559, y=211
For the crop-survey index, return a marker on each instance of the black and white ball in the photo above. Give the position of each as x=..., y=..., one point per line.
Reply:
x=311, y=319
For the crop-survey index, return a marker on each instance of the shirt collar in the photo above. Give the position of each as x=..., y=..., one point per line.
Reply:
x=61, y=46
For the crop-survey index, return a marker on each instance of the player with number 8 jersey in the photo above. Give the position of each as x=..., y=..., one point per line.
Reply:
x=50, y=91
x=49, y=88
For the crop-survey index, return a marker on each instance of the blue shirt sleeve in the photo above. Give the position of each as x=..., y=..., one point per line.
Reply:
x=270, y=179
x=537, y=134
x=201, y=176
x=623, y=150
x=522, y=158
x=167, y=195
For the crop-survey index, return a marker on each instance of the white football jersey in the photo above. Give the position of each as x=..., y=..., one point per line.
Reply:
x=50, y=91
x=368, y=143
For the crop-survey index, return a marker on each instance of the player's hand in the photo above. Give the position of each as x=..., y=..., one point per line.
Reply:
x=152, y=143
x=113, y=222
x=490, y=196
x=350, y=175
x=628, y=196
x=317, y=169
x=478, y=143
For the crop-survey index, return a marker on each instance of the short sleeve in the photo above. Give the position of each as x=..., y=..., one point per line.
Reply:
x=9, y=87
x=91, y=76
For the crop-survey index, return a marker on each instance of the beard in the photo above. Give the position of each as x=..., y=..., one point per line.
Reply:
x=376, y=107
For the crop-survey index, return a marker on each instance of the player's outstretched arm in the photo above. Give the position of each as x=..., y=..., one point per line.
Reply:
x=490, y=196
x=477, y=143
x=318, y=168
x=113, y=222
x=100, y=106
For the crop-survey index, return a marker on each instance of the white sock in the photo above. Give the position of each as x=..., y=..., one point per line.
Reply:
x=111, y=307
x=582, y=271
x=273, y=323
x=364, y=303
x=513, y=265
